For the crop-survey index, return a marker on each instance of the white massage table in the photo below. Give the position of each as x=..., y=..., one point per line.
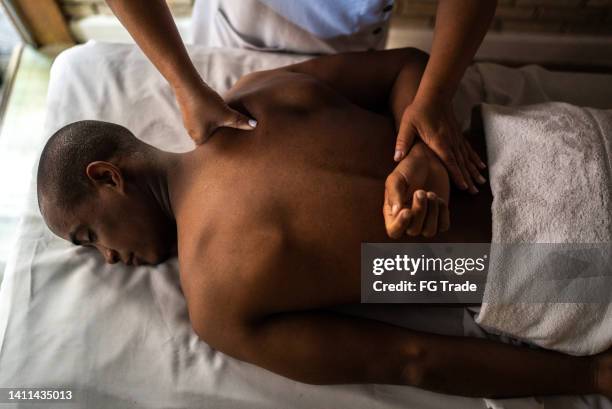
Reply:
x=119, y=336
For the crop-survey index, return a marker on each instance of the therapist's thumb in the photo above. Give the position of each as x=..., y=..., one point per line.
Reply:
x=240, y=121
x=405, y=139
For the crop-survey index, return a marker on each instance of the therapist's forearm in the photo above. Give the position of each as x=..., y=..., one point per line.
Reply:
x=460, y=28
x=151, y=25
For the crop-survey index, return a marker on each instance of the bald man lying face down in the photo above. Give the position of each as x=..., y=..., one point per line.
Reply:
x=268, y=225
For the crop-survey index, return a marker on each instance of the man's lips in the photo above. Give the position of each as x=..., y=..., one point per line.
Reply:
x=134, y=260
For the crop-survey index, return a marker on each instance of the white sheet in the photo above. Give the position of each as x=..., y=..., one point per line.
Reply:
x=120, y=335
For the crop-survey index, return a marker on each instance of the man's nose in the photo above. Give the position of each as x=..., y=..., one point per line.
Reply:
x=110, y=255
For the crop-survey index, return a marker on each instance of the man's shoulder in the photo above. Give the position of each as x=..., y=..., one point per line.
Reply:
x=282, y=89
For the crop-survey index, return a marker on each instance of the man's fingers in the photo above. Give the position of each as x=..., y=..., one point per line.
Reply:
x=444, y=216
x=395, y=197
x=405, y=139
x=397, y=224
x=418, y=212
x=395, y=193
x=430, y=226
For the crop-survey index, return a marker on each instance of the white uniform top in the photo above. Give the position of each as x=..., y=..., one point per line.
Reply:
x=300, y=26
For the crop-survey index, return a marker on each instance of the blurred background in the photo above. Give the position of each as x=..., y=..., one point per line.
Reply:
x=559, y=34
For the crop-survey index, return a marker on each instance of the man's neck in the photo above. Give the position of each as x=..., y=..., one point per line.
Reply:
x=157, y=181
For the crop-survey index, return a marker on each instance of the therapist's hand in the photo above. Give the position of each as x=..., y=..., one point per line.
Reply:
x=204, y=111
x=435, y=123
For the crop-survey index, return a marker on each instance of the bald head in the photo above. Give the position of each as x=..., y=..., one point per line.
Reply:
x=94, y=189
x=61, y=179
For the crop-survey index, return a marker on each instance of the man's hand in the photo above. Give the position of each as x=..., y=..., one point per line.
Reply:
x=416, y=196
x=427, y=216
x=434, y=122
x=204, y=111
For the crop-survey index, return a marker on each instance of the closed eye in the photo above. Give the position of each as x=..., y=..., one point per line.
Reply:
x=91, y=237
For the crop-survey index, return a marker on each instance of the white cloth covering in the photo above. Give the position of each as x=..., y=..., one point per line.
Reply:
x=121, y=335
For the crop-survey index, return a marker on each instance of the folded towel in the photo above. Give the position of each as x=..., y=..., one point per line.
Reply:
x=551, y=177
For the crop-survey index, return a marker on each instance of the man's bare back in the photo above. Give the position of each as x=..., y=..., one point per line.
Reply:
x=298, y=195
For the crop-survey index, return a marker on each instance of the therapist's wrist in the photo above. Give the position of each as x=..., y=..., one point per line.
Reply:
x=432, y=101
x=433, y=96
x=435, y=91
x=184, y=79
x=189, y=85
x=196, y=90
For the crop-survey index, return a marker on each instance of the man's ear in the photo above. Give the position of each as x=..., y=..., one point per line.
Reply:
x=105, y=174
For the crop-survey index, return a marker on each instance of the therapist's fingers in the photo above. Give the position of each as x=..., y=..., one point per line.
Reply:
x=473, y=156
x=475, y=173
x=470, y=164
x=447, y=153
x=465, y=166
x=237, y=120
x=461, y=163
x=204, y=112
x=203, y=129
x=405, y=138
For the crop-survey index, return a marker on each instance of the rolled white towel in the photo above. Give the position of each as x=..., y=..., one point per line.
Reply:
x=551, y=177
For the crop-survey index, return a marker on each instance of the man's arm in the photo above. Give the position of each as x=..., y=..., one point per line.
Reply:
x=375, y=80
x=328, y=348
x=263, y=313
x=249, y=297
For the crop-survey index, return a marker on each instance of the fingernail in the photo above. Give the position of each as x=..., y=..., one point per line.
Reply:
x=481, y=179
x=421, y=195
x=482, y=165
x=463, y=185
x=398, y=155
x=394, y=209
x=252, y=123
